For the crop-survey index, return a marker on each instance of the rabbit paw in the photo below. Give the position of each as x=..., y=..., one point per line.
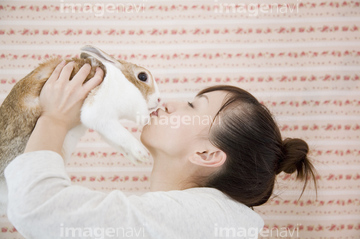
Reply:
x=138, y=154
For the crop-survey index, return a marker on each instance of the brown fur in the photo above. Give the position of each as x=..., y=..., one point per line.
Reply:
x=131, y=71
x=19, y=111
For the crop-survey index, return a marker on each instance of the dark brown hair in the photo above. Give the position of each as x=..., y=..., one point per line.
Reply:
x=255, y=152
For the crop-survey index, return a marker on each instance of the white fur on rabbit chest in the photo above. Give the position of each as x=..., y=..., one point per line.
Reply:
x=116, y=98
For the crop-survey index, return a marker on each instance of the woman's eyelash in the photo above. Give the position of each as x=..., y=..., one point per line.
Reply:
x=191, y=105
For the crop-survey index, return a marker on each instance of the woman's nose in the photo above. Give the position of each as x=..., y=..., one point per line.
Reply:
x=170, y=107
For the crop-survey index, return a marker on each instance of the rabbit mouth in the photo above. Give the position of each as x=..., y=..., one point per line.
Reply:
x=154, y=113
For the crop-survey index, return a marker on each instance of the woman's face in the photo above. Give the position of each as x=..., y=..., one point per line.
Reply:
x=182, y=128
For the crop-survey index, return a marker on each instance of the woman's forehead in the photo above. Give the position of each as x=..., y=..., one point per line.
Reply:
x=215, y=96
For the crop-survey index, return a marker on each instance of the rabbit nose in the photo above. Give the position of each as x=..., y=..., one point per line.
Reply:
x=159, y=100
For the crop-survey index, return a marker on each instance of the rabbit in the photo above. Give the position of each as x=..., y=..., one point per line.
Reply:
x=127, y=92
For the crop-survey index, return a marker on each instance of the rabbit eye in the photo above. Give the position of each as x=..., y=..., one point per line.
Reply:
x=142, y=76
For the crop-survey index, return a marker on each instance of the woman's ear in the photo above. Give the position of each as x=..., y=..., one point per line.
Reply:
x=213, y=158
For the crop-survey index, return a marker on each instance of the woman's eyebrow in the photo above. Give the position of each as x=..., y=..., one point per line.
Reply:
x=199, y=96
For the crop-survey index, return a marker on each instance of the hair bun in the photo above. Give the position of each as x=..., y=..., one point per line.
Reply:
x=294, y=157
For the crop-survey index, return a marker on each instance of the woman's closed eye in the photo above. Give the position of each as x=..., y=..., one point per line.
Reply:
x=191, y=104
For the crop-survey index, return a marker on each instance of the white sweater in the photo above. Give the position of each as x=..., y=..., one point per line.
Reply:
x=44, y=204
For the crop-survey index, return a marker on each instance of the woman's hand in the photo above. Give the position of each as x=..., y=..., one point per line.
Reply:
x=61, y=99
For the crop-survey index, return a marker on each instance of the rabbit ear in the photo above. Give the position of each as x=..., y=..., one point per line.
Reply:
x=93, y=52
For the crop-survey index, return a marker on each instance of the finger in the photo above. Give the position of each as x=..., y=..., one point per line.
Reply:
x=81, y=74
x=56, y=73
x=93, y=82
x=66, y=72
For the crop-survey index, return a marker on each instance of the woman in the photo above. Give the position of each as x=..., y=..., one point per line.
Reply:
x=205, y=178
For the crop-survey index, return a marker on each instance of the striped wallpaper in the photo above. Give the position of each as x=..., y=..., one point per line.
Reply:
x=300, y=58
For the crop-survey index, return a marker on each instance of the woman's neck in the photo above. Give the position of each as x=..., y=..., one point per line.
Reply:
x=169, y=174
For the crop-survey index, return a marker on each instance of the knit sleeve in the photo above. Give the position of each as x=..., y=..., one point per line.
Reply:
x=44, y=204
